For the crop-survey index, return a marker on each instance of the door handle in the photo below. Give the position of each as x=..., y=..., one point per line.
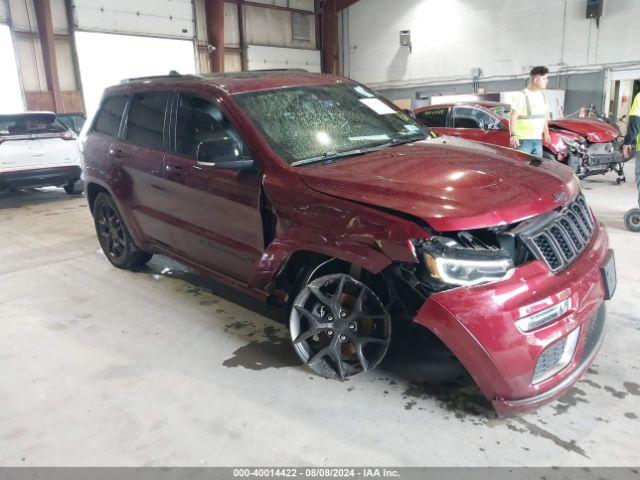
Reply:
x=116, y=152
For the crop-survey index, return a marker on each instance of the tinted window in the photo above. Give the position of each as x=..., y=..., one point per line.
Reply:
x=200, y=120
x=145, y=121
x=30, y=124
x=433, y=118
x=108, y=119
x=465, y=117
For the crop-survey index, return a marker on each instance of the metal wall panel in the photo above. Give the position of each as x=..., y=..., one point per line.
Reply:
x=66, y=70
x=31, y=64
x=269, y=27
x=302, y=4
x=162, y=18
x=262, y=58
x=232, y=62
x=201, y=21
x=23, y=15
x=4, y=12
x=59, y=17
x=231, y=25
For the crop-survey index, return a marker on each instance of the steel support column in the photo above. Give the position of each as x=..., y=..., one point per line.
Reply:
x=47, y=43
x=214, y=10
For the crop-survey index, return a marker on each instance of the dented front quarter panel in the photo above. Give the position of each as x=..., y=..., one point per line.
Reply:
x=315, y=222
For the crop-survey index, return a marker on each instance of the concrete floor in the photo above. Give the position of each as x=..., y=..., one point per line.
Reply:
x=104, y=367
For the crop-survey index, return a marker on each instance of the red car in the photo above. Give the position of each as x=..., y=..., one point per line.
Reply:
x=312, y=191
x=590, y=147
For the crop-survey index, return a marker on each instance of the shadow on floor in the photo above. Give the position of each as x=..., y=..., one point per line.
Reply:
x=417, y=362
x=33, y=196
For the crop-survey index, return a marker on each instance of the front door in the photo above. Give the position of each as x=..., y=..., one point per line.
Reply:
x=216, y=211
x=476, y=124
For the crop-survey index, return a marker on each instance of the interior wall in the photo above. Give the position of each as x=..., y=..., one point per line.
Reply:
x=581, y=90
x=502, y=37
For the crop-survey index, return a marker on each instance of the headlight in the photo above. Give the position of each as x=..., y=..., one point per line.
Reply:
x=451, y=263
x=574, y=143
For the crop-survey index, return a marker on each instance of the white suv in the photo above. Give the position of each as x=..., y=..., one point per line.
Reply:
x=37, y=150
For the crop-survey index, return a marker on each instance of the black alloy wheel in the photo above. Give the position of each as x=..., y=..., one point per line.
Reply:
x=114, y=237
x=339, y=326
x=632, y=220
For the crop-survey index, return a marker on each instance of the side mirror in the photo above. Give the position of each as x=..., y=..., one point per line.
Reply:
x=222, y=153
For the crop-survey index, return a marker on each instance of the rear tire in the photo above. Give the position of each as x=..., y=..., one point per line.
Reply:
x=114, y=238
x=74, y=187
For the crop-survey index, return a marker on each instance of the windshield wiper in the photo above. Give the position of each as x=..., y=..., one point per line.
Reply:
x=329, y=157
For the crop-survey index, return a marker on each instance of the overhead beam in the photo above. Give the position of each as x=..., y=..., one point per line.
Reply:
x=342, y=4
x=214, y=11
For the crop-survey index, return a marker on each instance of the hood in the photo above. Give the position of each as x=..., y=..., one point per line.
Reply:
x=595, y=131
x=451, y=184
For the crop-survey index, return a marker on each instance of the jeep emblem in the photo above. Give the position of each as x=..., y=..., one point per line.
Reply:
x=560, y=197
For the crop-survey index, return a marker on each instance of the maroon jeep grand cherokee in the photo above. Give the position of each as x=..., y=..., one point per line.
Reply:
x=313, y=191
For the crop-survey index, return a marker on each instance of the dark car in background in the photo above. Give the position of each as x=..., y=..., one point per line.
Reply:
x=313, y=192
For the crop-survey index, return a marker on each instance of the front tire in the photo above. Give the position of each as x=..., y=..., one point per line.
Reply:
x=339, y=327
x=114, y=238
x=632, y=220
x=74, y=187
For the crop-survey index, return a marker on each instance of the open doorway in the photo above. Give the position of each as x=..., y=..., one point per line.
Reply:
x=106, y=59
x=10, y=94
x=621, y=88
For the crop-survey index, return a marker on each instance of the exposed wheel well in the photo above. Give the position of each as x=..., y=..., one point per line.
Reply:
x=304, y=265
x=93, y=189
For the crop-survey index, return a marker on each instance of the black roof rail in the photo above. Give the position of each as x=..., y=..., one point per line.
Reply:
x=254, y=73
x=173, y=75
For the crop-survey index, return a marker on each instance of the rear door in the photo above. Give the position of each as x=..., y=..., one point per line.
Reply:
x=217, y=211
x=137, y=161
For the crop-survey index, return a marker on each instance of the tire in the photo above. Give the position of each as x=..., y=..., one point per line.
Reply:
x=632, y=220
x=339, y=327
x=113, y=236
x=74, y=187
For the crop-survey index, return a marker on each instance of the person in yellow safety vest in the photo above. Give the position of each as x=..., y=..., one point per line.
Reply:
x=529, y=120
x=632, y=138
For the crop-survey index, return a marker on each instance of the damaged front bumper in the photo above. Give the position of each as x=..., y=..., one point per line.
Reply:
x=478, y=324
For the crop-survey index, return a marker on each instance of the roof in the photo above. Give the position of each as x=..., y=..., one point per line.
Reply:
x=239, y=82
x=26, y=114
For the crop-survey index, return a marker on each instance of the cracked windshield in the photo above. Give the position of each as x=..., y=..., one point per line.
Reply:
x=318, y=123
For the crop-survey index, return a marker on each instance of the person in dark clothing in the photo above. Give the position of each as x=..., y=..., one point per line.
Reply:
x=632, y=139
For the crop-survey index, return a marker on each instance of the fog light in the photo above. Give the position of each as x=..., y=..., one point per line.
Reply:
x=556, y=357
x=543, y=317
